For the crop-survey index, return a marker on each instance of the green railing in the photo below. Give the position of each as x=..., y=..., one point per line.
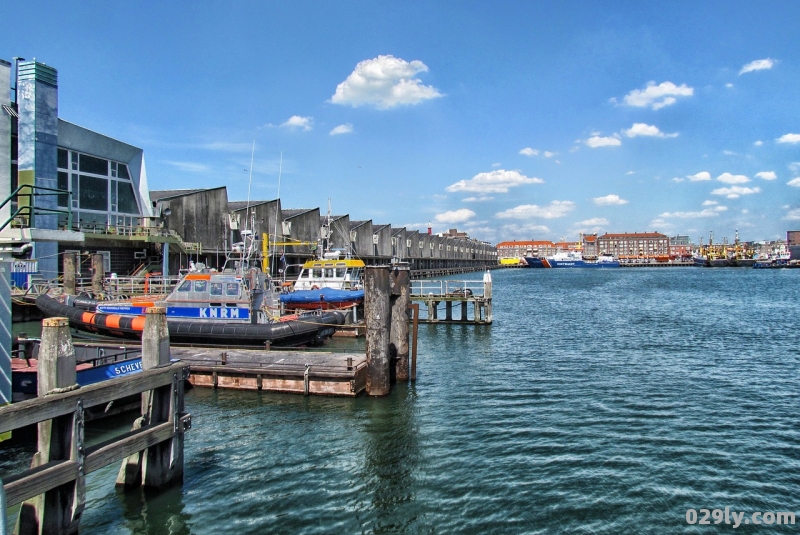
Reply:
x=31, y=210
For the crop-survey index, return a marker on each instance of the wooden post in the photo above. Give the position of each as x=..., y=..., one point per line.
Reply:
x=160, y=465
x=487, y=295
x=69, y=273
x=400, y=288
x=377, y=315
x=58, y=510
x=98, y=273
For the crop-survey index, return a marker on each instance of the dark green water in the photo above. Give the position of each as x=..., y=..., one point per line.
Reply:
x=599, y=401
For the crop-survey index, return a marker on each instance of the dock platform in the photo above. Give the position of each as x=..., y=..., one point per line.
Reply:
x=464, y=294
x=297, y=372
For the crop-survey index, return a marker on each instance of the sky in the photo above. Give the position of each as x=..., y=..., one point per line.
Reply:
x=509, y=120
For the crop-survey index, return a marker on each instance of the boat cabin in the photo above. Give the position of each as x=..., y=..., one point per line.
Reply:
x=343, y=274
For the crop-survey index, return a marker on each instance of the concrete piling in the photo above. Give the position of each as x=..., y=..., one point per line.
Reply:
x=98, y=273
x=69, y=273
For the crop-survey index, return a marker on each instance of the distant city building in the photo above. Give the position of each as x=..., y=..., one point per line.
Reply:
x=634, y=244
x=680, y=245
x=520, y=249
x=589, y=246
x=793, y=242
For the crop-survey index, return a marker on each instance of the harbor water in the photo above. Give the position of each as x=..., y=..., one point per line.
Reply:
x=599, y=401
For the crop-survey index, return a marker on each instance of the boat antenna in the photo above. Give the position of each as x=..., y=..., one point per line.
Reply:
x=277, y=213
x=247, y=206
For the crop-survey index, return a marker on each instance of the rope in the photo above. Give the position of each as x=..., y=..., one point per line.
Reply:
x=64, y=390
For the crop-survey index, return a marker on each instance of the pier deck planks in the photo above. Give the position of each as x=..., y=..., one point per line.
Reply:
x=276, y=371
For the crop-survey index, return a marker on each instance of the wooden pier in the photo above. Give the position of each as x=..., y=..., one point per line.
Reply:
x=464, y=294
x=296, y=372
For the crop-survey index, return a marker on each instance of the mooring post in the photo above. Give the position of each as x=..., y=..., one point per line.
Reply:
x=69, y=273
x=487, y=295
x=159, y=465
x=98, y=273
x=58, y=510
x=377, y=315
x=400, y=289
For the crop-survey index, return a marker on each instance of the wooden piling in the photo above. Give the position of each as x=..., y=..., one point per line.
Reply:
x=58, y=510
x=160, y=465
x=98, y=273
x=377, y=315
x=69, y=273
x=400, y=290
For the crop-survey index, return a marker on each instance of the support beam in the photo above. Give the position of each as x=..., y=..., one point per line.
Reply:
x=400, y=287
x=377, y=315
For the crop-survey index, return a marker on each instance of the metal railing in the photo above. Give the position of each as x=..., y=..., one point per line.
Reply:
x=454, y=288
x=30, y=210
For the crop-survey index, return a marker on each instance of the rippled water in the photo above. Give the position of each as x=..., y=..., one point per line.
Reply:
x=599, y=401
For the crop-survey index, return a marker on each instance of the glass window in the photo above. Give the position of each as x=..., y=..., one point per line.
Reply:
x=96, y=166
x=200, y=286
x=63, y=184
x=186, y=286
x=93, y=193
x=127, y=199
x=122, y=171
x=63, y=159
x=114, y=169
x=340, y=272
x=317, y=273
x=215, y=289
x=328, y=273
x=232, y=288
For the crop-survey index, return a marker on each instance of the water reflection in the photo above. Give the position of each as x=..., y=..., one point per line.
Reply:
x=154, y=512
x=391, y=458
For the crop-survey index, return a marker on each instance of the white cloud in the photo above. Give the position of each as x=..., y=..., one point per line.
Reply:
x=527, y=151
x=708, y=212
x=594, y=222
x=514, y=230
x=677, y=179
x=728, y=153
x=609, y=200
x=757, y=65
x=548, y=154
x=657, y=96
x=794, y=167
x=792, y=215
x=729, y=85
x=767, y=175
x=341, y=129
x=295, y=121
x=497, y=164
x=189, y=167
x=481, y=198
x=794, y=182
x=728, y=178
x=631, y=173
x=455, y=216
x=598, y=141
x=758, y=143
x=734, y=192
x=642, y=129
x=554, y=210
x=710, y=203
x=789, y=138
x=699, y=177
x=384, y=82
x=493, y=182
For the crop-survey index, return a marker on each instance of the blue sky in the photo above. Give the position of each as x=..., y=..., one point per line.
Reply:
x=510, y=120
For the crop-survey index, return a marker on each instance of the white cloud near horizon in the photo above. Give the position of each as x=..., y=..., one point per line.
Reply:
x=643, y=129
x=789, y=138
x=455, y=216
x=296, y=121
x=594, y=222
x=189, y=167
x=384, y=82
x=708, y=212
x=767, y=175
x=792, y=215
x=499, y=181
x=699, y=177
x=795, y=182
x=657, y=96
x=757, y=65
x=528, y=151
x=599, y=141
x=734, y=192
x=710, y=203
x=728, y=178
x=758, y=143
x=341, y=129
x=554, y=210
x=609, y=200
x=481, y=198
